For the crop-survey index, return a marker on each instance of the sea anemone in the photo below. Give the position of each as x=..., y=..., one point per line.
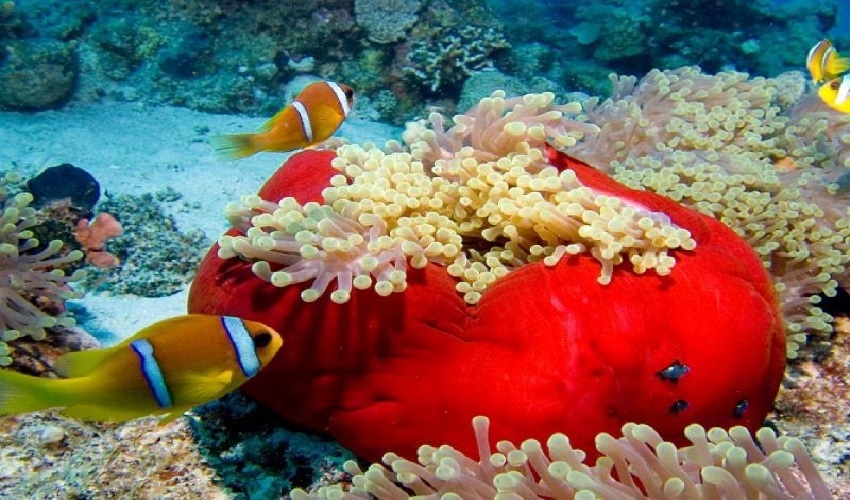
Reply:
x=719, y=463
x=518, y=268
x=30, y=282
x=479, y=199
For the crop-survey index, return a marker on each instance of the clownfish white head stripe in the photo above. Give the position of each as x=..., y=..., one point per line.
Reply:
x=340, y=95
x=814, y=50
x=243, y=344
x=306, y=127
x=843, y=91
x=152, y=372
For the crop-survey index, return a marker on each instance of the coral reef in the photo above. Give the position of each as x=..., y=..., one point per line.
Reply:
x=807, y=405
x=156, y=258
x=36, y=73
x=446, y=58
x=256, y=456
x=385, y=21
x=640, y=464
x=615, y=30
x=43, y=455
x=235, y=55
x=32, y=289
x=633, y=37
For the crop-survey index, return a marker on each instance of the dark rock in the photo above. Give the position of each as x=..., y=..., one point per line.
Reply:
x=183, y=57
x=37, y=73
x=65, y=181
x=118, y=41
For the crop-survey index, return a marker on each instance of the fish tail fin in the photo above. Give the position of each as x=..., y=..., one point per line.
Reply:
x=21, y=393
x=234, y=147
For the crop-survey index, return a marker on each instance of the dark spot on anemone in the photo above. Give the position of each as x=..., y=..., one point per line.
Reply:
x=678, y=407
x=740, y=408
x=674, y=372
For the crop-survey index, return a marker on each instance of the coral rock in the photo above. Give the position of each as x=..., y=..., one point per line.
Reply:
x=38, y=73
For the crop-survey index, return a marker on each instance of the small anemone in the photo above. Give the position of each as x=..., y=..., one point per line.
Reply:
x=29, y=278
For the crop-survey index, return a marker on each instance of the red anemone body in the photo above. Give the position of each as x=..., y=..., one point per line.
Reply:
x=547, y=349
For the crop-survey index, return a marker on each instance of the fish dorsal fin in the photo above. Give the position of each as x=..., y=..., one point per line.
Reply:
x=157, y=328
x=195, y=388
x=269, y=124
x=78, y=364
x=82, y=363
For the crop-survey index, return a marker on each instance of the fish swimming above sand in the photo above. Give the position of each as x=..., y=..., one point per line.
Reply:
x=312, y=117
x=164, y=369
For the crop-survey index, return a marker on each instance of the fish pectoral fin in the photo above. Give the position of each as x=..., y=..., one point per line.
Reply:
x=95, y=412
x=170, y=417
x=326, y=121
x=199, y=389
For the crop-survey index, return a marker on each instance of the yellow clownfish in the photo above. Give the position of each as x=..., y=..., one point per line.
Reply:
x=836, y=93
x=824, y=63
x=313, y=116
x=164, y=369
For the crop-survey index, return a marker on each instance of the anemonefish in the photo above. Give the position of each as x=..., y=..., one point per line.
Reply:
x=164, y=369
x=824, y=63
x=313, y=116
x=836, y=93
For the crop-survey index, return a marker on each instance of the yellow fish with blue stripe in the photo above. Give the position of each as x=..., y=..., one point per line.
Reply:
x=824, y=63
x=164, y=369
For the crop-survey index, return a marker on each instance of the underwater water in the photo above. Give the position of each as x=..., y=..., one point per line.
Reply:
x=420, y=190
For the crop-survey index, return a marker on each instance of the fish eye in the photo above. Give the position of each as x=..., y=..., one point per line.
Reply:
x=262, y=339
x=349, y=92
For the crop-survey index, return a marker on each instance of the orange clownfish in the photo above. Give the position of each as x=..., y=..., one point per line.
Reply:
x=313, y=116
x=164, y=369
x=824, y=63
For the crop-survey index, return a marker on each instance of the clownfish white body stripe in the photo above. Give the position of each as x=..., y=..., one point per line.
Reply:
x=164, y=369
x=312, y=117
x=836, y=93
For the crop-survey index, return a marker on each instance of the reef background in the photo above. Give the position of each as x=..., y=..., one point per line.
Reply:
x=402, y=56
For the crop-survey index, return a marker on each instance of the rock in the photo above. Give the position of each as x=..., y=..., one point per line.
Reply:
x=38, y=73
x=65, y=181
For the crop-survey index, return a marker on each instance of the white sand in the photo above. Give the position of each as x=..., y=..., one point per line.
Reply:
x=134, y=149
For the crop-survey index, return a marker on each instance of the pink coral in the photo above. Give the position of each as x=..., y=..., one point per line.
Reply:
x=93, y=236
